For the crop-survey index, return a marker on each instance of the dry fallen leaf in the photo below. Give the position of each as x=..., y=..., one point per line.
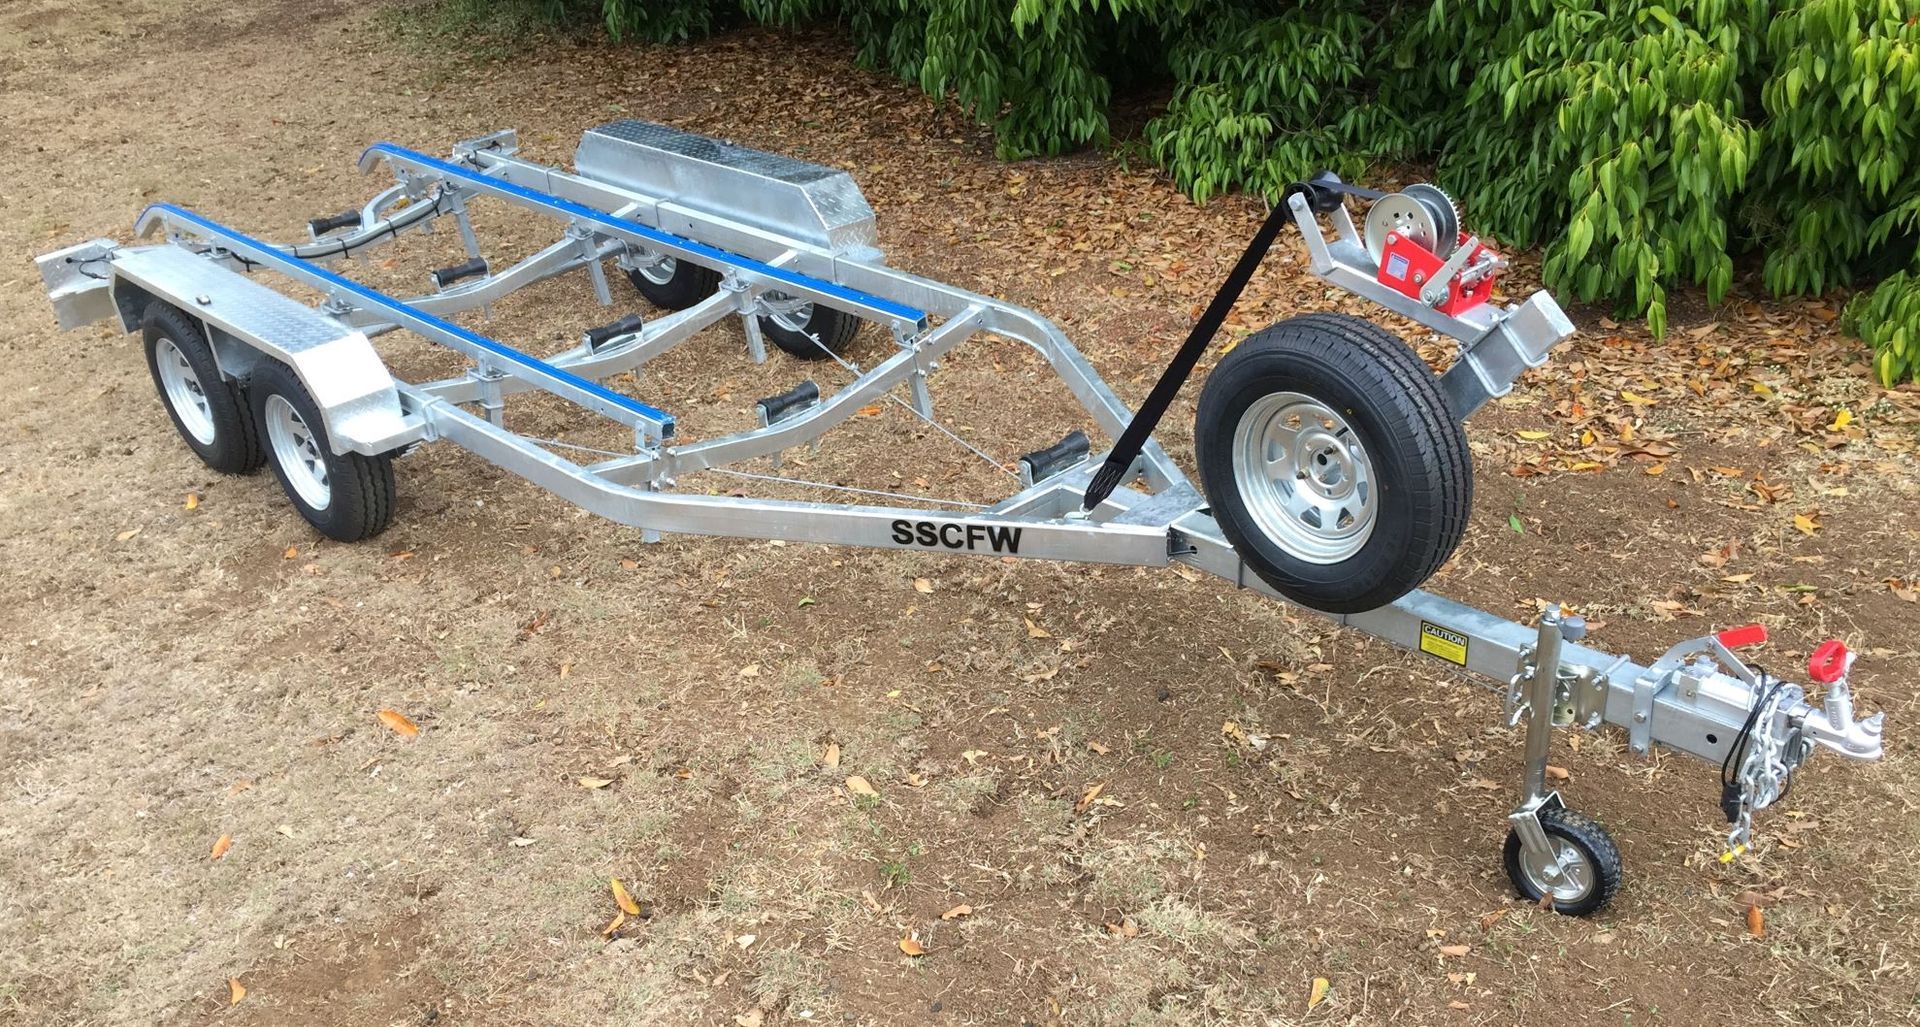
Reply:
x=923, y=586
x=750, y=1018
x=235, y=991
x=292, y=553
x=1319, y=992
x=1557, y=773
x=912, y=948
x=1086, y=800
x=595, y=782
x=957, y=912
x=746, y=941
x=625, y=901
x=221, y=846
x=399, y=723
x=861, y=786
x=1805, y=524
x=193, y=501
x=1756, y=921
x=831, y=758
x=619, y=918
x=1456, y=951
x=126, y=535
x=1036, y=631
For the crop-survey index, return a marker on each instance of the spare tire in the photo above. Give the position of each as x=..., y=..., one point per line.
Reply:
x=1332, y=462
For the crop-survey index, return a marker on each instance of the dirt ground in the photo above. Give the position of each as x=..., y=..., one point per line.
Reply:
x=185, y=660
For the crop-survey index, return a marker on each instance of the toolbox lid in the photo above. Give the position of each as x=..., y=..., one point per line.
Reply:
x=809, y=203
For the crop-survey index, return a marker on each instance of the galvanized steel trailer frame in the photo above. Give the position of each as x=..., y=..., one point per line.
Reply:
x=778, y=229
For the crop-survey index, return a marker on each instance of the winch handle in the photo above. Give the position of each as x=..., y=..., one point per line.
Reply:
x=1828, y=663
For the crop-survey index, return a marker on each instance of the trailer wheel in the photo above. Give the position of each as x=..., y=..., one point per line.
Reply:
x=1585, y=871
x=805, y=329
x=347, y=496
x=673, y=283
x=1332, y=463
x=209, y=411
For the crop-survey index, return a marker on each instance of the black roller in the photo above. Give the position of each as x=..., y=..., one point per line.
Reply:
x=598, y=337
x=774, y=409
x=445, y=276
x=333, y=222
x=1045, y=463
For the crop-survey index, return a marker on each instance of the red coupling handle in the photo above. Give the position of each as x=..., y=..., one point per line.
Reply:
x=1829, y=662
x=1751, y=634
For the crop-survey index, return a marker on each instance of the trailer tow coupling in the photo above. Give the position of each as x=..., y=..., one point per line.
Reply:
x=1570, y=856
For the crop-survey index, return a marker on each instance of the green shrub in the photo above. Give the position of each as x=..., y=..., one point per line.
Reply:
x=1642, y=143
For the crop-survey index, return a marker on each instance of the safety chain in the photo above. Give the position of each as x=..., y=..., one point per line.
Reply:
x=1766, y=767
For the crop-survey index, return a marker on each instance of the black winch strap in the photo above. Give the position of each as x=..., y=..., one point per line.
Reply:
x=1131, y=441
x=1324, y=190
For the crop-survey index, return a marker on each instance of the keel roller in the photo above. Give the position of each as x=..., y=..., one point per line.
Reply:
x=1042, y=464
x=445, y=276
x=775, y=409
x=596, y=339
x=320, y=226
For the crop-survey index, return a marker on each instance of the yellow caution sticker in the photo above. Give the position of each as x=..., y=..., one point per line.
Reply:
x=1446, y=643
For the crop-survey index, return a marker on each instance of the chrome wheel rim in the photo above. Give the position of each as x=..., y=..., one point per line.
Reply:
x=182, y=387
x=1566, y=874
x=297, y=452
x=659, y=270
x=1305, y=476
x=789, y=312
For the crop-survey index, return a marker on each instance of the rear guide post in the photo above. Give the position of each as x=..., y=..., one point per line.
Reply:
x=643, y=194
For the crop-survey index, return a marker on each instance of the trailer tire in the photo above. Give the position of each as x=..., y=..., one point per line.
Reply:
x=1332, y=462
x=809, y=331
x=209, y=411
x=1581, y=838
x=674, y=284
x=345, y=496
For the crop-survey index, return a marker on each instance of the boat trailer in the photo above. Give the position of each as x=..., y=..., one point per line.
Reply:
x=1333, y=464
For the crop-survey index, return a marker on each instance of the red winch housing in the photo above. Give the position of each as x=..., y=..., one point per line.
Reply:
x=1406, y=267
